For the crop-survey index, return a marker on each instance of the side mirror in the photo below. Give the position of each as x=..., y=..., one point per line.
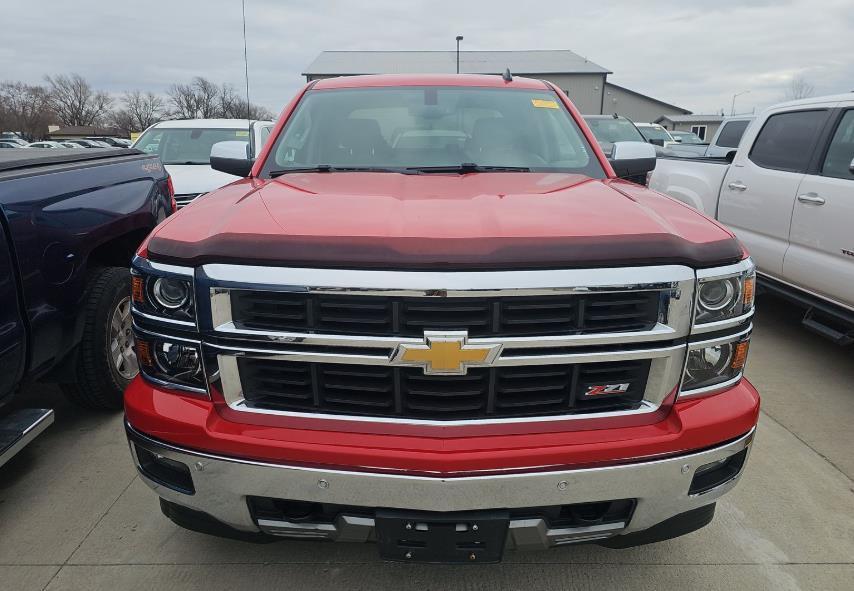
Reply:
x=851, y=167
x=657, y=142
x=630, y=159
x=231, y=158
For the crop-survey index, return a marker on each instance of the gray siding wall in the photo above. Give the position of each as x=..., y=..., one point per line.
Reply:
x=584, y=90
x=636, y=108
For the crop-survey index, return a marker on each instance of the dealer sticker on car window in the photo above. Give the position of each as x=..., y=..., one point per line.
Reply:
x=544, y=104
x=242, y=134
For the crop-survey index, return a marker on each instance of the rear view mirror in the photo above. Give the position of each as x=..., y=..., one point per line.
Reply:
x=629, y=159
x=231, y=158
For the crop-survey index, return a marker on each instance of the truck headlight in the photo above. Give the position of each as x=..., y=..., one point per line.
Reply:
x=725, y=293
x=171, y=363
x=163, y=291
x=170, y=293
x=715, y=364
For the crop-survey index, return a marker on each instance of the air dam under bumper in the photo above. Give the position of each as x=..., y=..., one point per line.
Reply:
x=220, y=487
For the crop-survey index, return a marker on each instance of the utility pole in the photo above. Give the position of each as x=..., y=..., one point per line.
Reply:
x=459, y=38
x=732, y=110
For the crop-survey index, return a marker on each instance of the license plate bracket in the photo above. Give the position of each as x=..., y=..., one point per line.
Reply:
x=459, y=537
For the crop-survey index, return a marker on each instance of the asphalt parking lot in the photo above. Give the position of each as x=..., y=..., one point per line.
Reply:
x=73, y=515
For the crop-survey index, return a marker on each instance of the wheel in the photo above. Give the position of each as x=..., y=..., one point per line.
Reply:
x=106, y=359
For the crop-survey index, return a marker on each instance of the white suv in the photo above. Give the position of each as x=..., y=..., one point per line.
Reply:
x=184, y=146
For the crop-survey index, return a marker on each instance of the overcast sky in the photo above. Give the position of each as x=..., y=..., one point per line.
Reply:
x=694, y=54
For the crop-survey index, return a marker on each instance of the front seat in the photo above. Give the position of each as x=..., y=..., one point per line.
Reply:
x=494, y=143
x=361, y=142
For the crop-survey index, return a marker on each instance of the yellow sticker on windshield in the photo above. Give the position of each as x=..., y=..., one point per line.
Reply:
x=242, y=134
x=544, y=104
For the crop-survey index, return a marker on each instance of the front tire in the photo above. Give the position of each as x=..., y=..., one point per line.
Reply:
x=106, y=361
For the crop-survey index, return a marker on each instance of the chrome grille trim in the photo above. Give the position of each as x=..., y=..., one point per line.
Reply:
x=674, y=283
x=224, y=340
x=664, y=375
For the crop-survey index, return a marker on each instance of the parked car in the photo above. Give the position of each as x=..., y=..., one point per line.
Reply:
x=85, y=143
x=788, y=196
x=71, y=221
x=71, y=145
x=14, y=140
x=656, y=134
x=449, y=350
x=5, y=144
x=688, y=144
x=184, y=146
x=609, y=129
x=111, y=141
x=728, y=136
x=687, y=138
x=46, y=144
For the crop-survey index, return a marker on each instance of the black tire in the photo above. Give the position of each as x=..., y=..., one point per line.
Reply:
x=99, y=383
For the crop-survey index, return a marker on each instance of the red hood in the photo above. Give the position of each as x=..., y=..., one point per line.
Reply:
x=494, y=220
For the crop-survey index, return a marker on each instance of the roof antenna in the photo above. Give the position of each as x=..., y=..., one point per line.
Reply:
x=246, y=72
x=507, y=76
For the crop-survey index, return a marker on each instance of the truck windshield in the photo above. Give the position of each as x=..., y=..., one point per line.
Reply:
x=614, y=130
x=432, y=129
x=184, y=145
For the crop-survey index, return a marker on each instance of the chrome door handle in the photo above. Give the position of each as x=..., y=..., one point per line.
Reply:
x=737, y=186
x=812, y=198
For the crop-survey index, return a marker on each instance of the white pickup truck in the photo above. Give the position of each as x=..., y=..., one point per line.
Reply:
x=789, y=196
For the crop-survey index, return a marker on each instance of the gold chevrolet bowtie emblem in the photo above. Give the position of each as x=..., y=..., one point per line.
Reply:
x=445, y=353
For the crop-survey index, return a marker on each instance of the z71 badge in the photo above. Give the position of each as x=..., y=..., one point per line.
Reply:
x=605, y=389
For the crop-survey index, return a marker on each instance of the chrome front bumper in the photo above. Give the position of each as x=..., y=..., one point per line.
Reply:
x=223, y=484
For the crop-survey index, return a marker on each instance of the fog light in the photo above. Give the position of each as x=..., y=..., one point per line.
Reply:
x=713, y=364
x=176, y=359
x=171, y=364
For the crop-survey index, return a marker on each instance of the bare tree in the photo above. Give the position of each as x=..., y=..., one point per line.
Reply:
x=145, y=109
x=25, y=108
x=202, y=99
x=197, y=100
x=237, y=110
x=799, y=88
x=75, y=102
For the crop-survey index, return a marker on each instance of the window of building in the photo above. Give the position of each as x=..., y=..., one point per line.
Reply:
x=786, y=141
x=700, y=130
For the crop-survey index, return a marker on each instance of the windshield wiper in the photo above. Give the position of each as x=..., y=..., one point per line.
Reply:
x=330, y=168
x=468, y=167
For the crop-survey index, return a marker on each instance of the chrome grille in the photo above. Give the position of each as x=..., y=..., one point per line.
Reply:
x=183, y=199
x=326, y=342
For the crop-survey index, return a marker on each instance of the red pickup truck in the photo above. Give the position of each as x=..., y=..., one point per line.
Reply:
x=433, y=316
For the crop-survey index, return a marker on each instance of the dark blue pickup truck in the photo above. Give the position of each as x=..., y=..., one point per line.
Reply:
x=70, y=221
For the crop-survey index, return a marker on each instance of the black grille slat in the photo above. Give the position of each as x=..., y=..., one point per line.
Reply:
x=481, y=317
x=482, y=393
